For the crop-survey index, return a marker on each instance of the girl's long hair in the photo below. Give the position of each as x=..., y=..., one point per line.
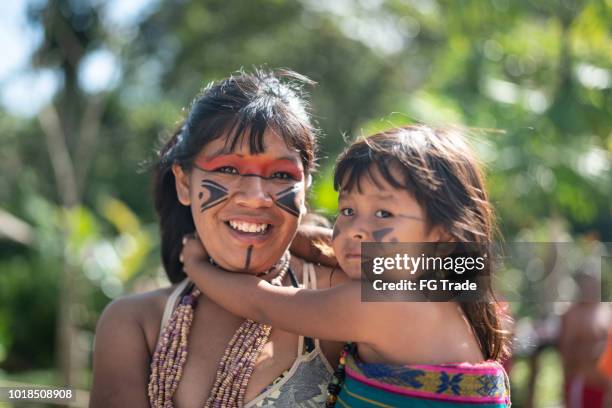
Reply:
x=440, y=171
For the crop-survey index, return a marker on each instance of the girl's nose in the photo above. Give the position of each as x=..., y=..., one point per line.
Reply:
x=358, y=235
x=358, y=230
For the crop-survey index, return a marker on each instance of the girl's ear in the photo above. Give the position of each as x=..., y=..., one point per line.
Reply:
x=439, y=234
x=445, y=242
x=181, y=179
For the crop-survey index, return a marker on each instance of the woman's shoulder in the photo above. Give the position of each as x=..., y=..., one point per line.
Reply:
x=326, y=276
x=126, y=333
x=141, y=311
x=139, y=305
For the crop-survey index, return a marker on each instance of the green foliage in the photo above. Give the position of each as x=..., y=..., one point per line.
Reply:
x=530, y=81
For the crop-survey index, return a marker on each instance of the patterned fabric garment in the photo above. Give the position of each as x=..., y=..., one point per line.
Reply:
x=484, y=385
x=302, y=385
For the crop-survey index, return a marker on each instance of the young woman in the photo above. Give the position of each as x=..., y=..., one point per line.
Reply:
x=236, y=176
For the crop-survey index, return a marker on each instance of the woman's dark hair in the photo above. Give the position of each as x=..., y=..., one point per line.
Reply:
x=441, y=173
x=240, y=109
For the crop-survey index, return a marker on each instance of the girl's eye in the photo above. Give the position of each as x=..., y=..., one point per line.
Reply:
x=283, y=175
x=383, y=214
x=227, y=170
x=347, y=212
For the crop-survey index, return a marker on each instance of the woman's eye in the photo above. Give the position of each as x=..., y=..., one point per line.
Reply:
x=383, y=214
x=227, y=170
x=347, y=212
x=282, y=175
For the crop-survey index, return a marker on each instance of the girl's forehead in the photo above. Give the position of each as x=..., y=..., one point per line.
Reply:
x=371, y=190
x=369, y=180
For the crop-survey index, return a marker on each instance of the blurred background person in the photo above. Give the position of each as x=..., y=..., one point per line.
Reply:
x=583, y=335
x=605, y=367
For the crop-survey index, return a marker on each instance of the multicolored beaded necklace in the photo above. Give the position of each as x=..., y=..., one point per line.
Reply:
x=237, y=363
x=338, y=378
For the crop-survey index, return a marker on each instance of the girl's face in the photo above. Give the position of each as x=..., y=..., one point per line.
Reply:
x=377, y=213
x=246, y=207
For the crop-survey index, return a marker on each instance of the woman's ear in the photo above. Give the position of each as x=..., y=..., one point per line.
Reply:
x=181, y=179
x=308, y=181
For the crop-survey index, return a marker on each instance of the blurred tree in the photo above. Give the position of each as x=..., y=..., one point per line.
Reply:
x=531, y=79
x=70, y=125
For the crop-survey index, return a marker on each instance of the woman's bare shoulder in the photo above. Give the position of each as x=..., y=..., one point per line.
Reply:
x=329, y=276
x=125, y=339
x=142, y=310
x=326, y=276
x=139, y=306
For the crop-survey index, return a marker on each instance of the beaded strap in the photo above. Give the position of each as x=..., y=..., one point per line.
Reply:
x=333, y=388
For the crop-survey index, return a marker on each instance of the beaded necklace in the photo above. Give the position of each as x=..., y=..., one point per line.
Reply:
x=339, y=374
x=237, y=363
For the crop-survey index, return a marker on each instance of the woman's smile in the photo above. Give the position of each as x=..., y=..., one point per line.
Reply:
x=249, y=230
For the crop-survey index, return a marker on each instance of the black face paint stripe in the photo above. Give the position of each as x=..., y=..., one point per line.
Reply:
x=247, y=262
x=286, y=200
x=215, y=184
x=245, y=175
x=410, y=217
x=285, y=191
x=336, y=232
x=257, y=175
x=378, y=235
x=218, y=194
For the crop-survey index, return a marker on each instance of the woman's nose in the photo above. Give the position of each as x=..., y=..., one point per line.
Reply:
x=252, y=192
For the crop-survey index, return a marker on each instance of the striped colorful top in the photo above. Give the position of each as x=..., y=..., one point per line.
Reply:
x=484, y=385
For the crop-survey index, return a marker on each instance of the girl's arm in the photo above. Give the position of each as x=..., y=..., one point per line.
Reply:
x=313, y=243
x=336, y=313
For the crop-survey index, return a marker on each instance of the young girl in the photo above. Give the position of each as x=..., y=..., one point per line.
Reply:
x=411, y=184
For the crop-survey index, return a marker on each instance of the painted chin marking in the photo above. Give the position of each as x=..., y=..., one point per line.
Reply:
x=247, y=262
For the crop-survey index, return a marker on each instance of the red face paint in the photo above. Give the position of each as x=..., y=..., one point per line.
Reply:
x=253, y=165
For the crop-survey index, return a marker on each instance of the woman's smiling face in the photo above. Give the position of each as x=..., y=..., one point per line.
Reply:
x=246, y=207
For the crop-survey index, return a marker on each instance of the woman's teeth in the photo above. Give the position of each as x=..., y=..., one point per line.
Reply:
x=248, y=226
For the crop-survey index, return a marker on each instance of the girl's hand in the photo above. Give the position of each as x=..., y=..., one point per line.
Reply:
x=289, y=308
x=192, y=254
x=313, y=243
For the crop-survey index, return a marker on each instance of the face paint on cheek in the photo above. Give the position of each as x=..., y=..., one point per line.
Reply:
x=409, y=217
x=336, y=232
x=288, y=200
x=378, y=235
x=247, y=262
x=217, y=194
